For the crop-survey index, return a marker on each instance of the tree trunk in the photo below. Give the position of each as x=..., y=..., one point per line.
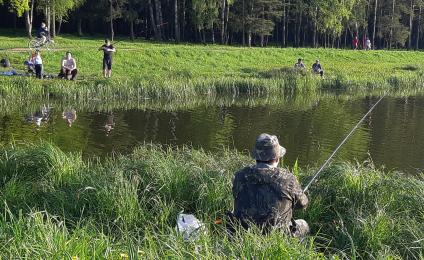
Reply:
x=411, y=18
x=418, y=29
x=112, y=32
x=287, y=23
x=315, y=27
x=79, y=26
x=223, y=2
x=391, y=25
x=47, y=17
x=283, y=39
x=183, y=22
x=244, y=23
x=132, y=35
x=176, y=24
x=29, y=15
x=227, y=17
x=345, y=38
x=249, y=38
x=152, y=21
x=299, y=28
x=59, y=27
x=213, y=35
x=159, y=20
x=53, y=30
x=375, y=23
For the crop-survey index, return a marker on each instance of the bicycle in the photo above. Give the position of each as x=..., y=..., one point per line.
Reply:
x=37, y=43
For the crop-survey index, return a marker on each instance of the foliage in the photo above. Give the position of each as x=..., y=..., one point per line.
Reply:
x=205, y=13
x=387, y=23
x=16, y=6
x=127, y=205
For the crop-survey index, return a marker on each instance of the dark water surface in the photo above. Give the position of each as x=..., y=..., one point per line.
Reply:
x=393, y=136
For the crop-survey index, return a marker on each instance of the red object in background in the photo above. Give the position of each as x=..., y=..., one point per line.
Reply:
x=355, y=42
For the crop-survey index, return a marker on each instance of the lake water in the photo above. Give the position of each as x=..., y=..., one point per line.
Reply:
x=392, y=136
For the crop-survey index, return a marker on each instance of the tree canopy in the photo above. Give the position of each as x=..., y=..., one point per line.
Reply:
x=327, y=23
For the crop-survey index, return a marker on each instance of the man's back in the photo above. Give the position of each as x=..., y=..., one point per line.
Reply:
x=42, y=32
x=266, y=195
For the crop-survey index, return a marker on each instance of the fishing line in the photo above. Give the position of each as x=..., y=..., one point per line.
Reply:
x=340, y=145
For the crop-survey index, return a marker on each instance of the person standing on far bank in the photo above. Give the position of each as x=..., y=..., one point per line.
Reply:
x=266, y=195
x=108, y=51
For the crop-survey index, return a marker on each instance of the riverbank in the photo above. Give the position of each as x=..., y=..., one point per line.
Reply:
x=169, y=71
x=55, y=205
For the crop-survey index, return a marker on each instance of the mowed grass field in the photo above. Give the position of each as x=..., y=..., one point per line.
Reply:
x=156, y=61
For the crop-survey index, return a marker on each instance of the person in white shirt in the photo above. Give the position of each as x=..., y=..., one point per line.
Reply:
x=68, y=68
x=38, y=64
x=368, y=44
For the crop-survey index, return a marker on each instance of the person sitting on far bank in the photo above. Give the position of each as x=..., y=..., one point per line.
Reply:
x=30, y=63
x=108, y=51
x=266, y=195
x=300, y=64
x=68, y=69
x=317, y=69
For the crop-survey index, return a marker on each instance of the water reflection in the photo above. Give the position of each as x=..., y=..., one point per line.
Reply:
x=109, y=124
x=70, y=116
x=40, y=116
x=392, y=136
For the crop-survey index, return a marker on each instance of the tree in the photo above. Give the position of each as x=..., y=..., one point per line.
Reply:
x=390, y=27
x=57, y=11
x=257, y=17
x=288, y=22
x=331, y=15
x=115, y=11
x=131, y=10
x=22, y=7
x=205, y=15
x=225, y=10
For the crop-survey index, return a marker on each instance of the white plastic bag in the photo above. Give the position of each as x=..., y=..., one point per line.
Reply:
x=189, y=226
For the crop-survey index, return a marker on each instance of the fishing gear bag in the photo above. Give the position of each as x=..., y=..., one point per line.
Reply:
x=5, y=63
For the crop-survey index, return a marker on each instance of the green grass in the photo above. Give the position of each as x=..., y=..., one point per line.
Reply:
x=152, y=70
x=55, y=205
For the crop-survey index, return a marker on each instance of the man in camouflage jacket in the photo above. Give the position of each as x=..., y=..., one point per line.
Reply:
x=265, y=194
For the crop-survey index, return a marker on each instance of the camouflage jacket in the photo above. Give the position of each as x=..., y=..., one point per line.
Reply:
x=267, y=195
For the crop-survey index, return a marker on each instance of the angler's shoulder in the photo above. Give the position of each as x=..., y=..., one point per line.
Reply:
x=244, y=171
x=285, y=174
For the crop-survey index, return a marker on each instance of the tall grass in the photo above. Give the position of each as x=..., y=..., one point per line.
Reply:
x=54, y=205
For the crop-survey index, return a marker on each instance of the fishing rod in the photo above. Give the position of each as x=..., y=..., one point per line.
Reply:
x=316, y=175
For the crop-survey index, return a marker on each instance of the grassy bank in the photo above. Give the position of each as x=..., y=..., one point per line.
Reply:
x=150, y=70
x=55, y=205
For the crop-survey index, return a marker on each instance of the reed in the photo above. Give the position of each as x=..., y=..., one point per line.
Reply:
x=55, y=205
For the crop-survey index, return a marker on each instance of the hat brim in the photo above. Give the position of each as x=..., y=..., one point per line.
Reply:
x=282, y=151
x=258, y=157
